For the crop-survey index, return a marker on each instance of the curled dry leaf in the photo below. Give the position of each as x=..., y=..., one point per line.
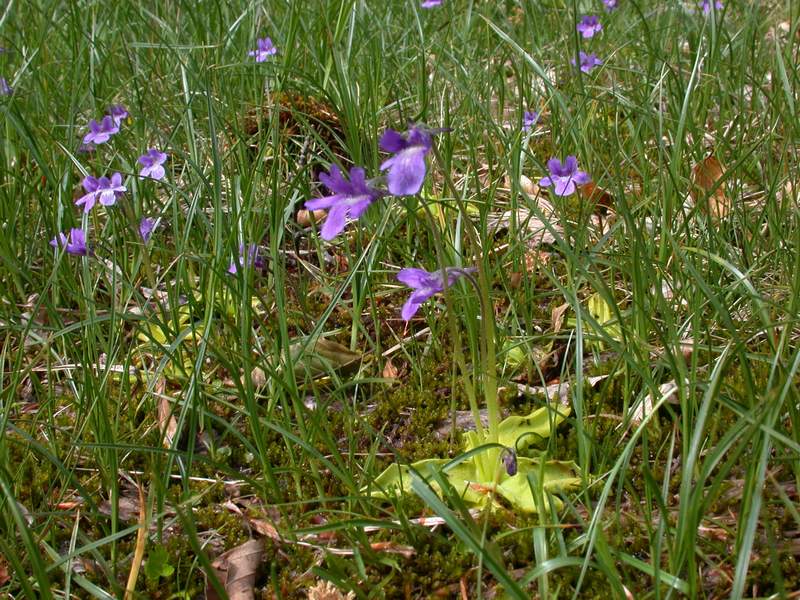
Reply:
x=389, y=370
x=236, y=570
x=166, y=418
x=557, y=316
x=708, y=192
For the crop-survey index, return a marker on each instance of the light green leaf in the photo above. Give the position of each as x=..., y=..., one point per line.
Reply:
x=533, y=428
x=157, y=564
x=558, y=476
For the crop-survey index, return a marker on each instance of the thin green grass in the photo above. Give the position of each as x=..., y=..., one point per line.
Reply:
x=234, y=400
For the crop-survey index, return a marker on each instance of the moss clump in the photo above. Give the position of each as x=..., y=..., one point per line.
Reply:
x=408, y=420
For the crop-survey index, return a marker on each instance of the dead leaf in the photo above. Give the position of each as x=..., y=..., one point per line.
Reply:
x=128, y=508
x=602, y=199
x=392, y=548
x=668, y=391
x=306, y=218
x=541, y=230
x=169, y=425
x=236, y=570
x=557, y=316
x=4, y=572
x=527, y=186
x=259, y=377
x=265, y=528
x=322, y=356
x=706, y=192
x=389, y=370
x=325, y=590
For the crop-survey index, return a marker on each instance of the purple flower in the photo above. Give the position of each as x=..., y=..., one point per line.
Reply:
x=407, y=166
x=101, y=132
x=117, y=113
x=146, y=228
x=529, y=119
x=349, y=199
x=76, y=244
x=264, y=50
x=588, y=61
x=705, y=6
x=564, y=176
x=425, y=285
x=252, y=259
x=104, y=190
x=431, y=3
x=610, y=4
x=5, y=89
x=589, y=26
x=151, y=162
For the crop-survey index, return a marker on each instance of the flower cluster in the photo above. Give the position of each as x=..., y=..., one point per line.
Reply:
x=588, y=27
x=248, y=258
x=350, y=197
x=405, y=174
x=587, y=61
x=706, y=6
x=103, y=190
x=106, y=190
x=529, y=119
x=75, y=244
x=101, y=132
x=264, y=49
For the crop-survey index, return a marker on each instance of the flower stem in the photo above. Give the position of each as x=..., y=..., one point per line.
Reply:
x=489, y=365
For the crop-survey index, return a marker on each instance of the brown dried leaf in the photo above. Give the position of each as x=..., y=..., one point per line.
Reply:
x=259, y=377
x=168, y=423
x=5, y=577
x=306, y=218
x=236, y=569
x=557, y=316
x=166, y=420
x=707, y=192
x=392, y=548
x=389, y=370
x=602, y=199
x=265, y=528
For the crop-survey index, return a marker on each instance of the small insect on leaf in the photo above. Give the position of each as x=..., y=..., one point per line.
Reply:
x=707, y=190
